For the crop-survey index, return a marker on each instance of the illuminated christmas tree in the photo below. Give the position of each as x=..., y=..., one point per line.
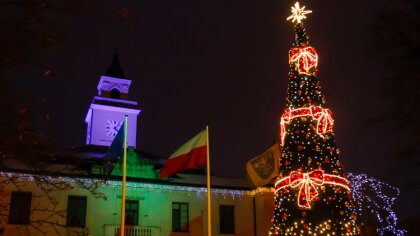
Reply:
x=312, y=194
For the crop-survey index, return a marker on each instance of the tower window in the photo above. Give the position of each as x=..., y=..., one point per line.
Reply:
x=115, y=93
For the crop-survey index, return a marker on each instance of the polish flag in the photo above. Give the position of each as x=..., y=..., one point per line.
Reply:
x=191, y=154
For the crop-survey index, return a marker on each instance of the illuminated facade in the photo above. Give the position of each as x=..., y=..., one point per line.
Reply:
x=156, y=208
x=108, y=109
x=65, y=192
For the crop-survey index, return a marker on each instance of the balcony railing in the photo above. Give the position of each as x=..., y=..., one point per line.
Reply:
x=114, y=230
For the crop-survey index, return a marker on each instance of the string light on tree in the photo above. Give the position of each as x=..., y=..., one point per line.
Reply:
x=376, y=198
x=312, y=194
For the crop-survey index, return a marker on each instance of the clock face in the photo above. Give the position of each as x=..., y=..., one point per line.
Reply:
x=112, y=127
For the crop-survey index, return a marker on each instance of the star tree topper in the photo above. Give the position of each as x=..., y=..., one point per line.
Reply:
x=298, y=14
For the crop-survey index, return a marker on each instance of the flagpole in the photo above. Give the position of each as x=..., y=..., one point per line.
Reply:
x=122, y=227
x=208, y=184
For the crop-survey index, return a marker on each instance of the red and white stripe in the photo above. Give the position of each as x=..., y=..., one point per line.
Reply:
x=191, y=154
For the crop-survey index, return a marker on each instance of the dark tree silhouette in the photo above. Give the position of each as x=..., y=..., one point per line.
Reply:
x=27, y=29
x=394, y=42
x=50, y=216
x=395, y=45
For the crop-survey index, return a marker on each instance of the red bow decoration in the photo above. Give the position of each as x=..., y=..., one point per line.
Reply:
x=323, y=116
x=305, y=58
x=306, y=181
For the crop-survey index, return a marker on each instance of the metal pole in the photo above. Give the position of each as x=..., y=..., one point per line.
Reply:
x=122, y=227
x=208, y=184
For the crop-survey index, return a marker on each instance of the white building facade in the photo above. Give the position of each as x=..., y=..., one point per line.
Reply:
x=81, y=206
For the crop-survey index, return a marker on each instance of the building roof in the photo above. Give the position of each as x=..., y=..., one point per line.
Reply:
x=80, y=162
x=115, y=69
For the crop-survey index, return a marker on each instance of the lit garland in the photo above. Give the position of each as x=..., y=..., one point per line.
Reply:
x=138, y=186
x=323, y=116
x=362, y=184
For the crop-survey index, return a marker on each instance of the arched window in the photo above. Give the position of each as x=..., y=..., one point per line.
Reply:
x=115, y=93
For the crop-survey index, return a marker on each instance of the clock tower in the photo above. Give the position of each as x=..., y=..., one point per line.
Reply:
x=108, y=109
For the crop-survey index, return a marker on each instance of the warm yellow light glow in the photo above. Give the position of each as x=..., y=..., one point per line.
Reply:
x=298, y=13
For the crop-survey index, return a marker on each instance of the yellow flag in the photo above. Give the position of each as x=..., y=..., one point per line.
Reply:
x=264, y=167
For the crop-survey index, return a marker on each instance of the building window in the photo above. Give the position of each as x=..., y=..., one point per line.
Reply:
x=20, y=208
x=131, y=212
x=227, y=219
x=179, y=217
x=115, y=93
x=76, y=211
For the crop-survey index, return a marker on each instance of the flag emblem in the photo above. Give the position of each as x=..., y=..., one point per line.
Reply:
x=264, y=166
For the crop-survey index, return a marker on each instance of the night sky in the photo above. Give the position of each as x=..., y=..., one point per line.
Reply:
x=222, y=63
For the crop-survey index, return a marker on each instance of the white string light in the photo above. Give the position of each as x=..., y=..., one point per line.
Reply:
x=360, y=185
x=382, y=210
x=138, y=186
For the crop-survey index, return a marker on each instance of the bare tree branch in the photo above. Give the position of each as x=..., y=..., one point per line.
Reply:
x=49, y=215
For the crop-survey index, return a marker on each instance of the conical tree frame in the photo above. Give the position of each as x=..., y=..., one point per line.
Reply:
x=312, y=194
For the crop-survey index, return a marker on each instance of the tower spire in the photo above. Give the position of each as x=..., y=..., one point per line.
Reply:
x=114, y=69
